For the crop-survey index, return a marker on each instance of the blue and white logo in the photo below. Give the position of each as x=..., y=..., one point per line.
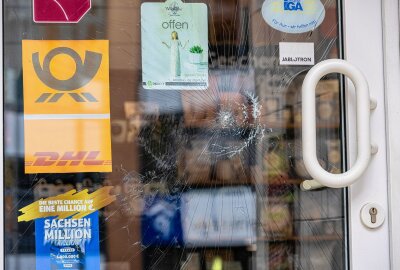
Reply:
x=293, y=16
x=292, y=5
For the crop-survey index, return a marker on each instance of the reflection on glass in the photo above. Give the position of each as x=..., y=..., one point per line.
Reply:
x=204, y=179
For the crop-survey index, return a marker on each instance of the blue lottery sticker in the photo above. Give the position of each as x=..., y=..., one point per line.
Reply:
x=71, y=244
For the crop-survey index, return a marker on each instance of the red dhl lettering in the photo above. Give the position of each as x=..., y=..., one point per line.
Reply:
x=88, y=158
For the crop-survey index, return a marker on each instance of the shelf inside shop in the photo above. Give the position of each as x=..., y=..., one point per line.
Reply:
x=309, y=238
x=219, y=183
x=276, y=181
x=202, y=125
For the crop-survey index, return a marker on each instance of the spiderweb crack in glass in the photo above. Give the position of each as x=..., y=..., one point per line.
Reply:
x=237, y=117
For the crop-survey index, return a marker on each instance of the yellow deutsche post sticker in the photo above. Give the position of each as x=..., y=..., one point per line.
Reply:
x=66, y=106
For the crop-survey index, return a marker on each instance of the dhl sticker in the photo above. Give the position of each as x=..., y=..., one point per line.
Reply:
x=88, y=158
x=66, y=106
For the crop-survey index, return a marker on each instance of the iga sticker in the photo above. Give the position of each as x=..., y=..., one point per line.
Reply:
x=293, y=16
x=67, y=229
x=175, y=45
x=66, y=106
x=60, y=11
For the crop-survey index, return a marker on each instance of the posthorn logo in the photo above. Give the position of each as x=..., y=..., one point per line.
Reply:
x=85, y=71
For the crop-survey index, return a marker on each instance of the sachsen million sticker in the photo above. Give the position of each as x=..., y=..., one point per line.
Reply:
x=293, y=16
x=67, y=229
x=66, y=106
x=174, y=45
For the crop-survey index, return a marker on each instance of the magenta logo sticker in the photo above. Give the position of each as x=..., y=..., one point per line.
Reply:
x=60, y=11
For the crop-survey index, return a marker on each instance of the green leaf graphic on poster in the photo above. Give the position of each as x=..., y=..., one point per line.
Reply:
x=174, y=45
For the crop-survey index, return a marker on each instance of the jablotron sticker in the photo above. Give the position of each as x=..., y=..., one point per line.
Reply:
x=66, y=106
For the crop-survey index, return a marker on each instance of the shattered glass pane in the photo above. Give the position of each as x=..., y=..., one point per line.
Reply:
x=203, y=179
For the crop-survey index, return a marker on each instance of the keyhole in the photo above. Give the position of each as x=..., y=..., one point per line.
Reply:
x=373, y=212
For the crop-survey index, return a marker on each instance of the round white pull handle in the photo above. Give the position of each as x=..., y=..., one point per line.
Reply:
x=309, y=124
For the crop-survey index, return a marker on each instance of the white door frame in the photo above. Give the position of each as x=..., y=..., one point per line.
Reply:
x=369, y=248
x=391, y=11
x=364, y=47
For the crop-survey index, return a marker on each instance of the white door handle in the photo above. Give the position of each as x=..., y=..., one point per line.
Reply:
x=320, y=176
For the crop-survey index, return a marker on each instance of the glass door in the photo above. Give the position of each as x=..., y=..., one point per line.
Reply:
x=127, y=147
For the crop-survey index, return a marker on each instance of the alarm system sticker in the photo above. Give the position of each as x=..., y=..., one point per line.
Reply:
x=60, y=11
x=293, y=16
x=174, y=45
x=66, y=106
x=296, y=53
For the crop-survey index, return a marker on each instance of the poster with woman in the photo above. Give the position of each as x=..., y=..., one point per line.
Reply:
x=174, y=45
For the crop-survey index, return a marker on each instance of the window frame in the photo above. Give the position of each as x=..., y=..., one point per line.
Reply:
x=366, y=247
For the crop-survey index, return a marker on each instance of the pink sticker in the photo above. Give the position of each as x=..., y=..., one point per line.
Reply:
x=60, y=11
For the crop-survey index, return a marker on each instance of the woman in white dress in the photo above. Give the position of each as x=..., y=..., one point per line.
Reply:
x=175, y=57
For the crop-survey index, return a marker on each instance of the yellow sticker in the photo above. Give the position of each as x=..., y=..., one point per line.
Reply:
x=67, y=145
x=71, y=204
x=66, y=106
